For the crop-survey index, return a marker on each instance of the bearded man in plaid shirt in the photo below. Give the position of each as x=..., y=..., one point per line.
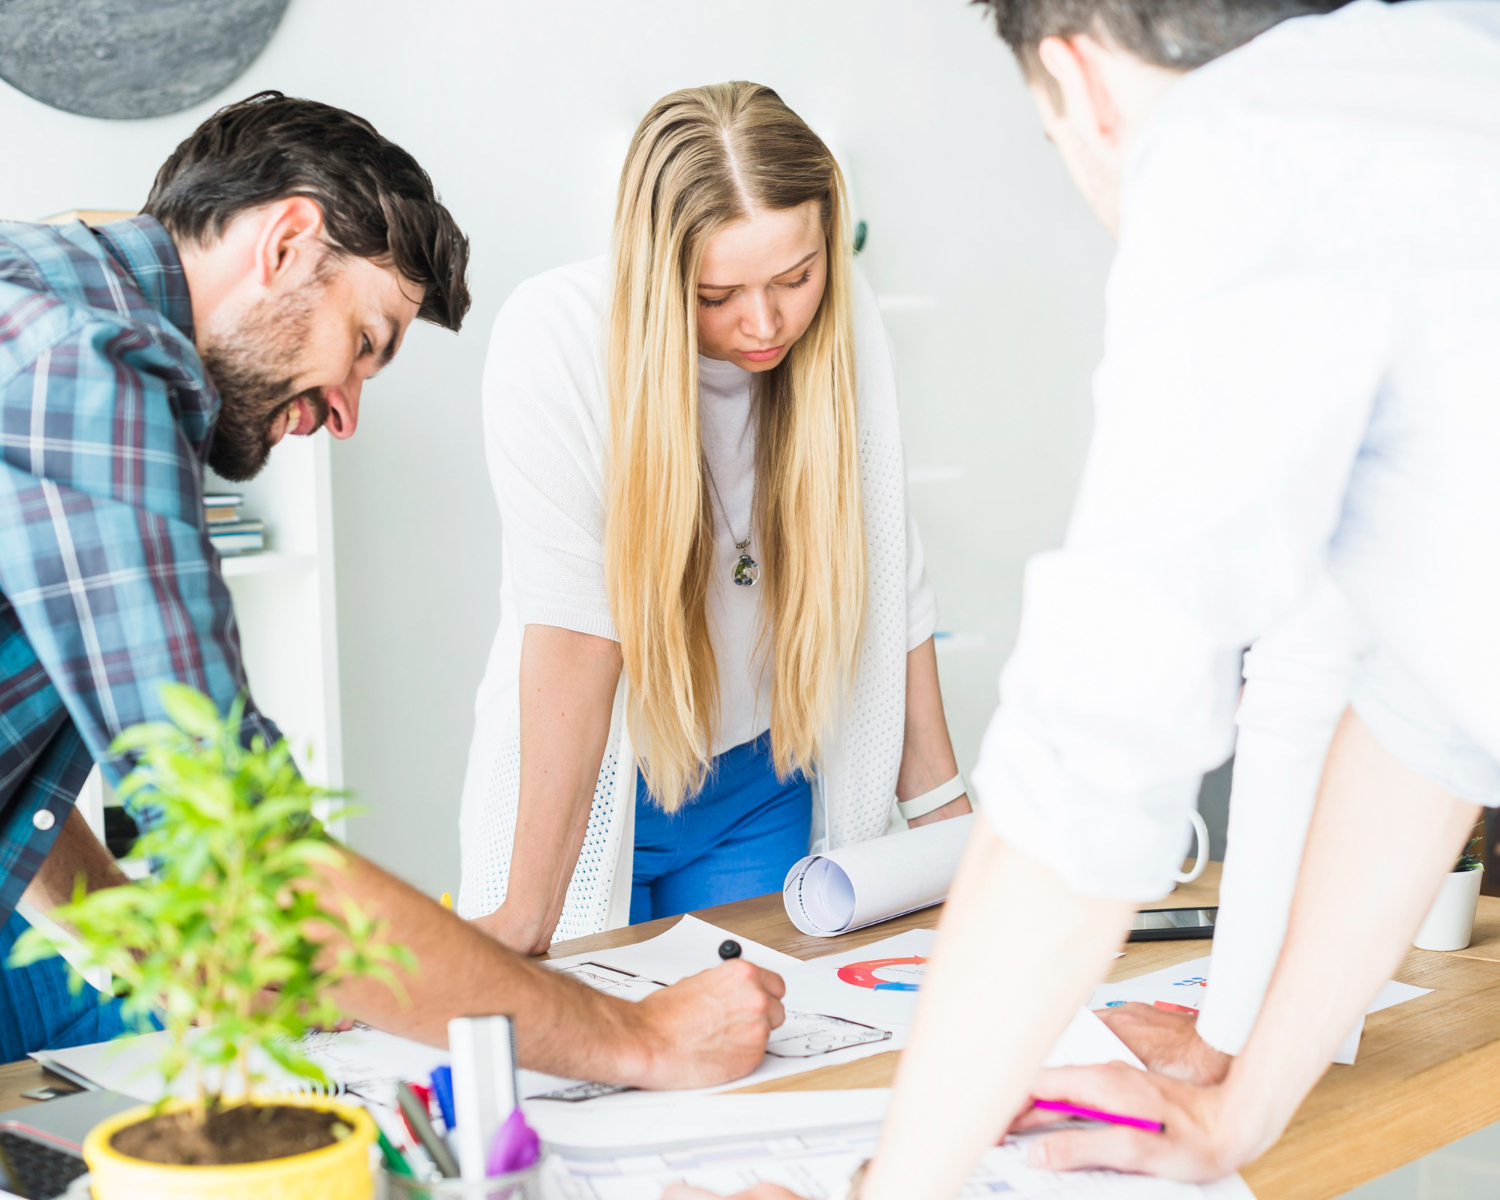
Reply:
x=283, y=252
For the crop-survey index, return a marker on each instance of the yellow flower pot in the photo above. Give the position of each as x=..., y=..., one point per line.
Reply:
x=337, y=1172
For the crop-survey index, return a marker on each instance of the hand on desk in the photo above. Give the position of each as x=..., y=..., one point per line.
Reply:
x=761, y=1191
x=1167, y=1042
x=1199, y=1145
x=515, y=930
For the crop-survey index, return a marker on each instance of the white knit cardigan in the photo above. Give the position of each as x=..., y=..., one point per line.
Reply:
x=546, y=432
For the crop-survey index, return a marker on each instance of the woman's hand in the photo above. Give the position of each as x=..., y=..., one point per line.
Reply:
x=954, y=808
x=516, y=930
x=761, y=1191
x=1200, y=1141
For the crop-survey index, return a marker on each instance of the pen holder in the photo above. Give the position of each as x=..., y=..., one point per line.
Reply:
x=520, y=1185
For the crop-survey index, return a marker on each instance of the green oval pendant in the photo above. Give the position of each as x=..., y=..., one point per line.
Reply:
x=746, y=571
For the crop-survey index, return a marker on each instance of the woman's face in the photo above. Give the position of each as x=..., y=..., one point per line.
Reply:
x=760, y=284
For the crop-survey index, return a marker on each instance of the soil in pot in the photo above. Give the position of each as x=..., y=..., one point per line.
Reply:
x=246, y=1133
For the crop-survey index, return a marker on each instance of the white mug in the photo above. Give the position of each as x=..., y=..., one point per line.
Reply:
x=1200, y=860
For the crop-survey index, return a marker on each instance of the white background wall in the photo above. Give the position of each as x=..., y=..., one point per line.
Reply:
x=521, y=111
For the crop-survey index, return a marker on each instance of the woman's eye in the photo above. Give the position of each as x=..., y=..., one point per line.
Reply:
x=365, y=345
x=707, y=303
x=806, y=275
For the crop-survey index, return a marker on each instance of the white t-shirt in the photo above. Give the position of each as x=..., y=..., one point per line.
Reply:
x=1301, y=373
x=727, y=428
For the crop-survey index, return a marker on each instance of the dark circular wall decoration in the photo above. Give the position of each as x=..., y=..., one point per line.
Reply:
x=130, y=58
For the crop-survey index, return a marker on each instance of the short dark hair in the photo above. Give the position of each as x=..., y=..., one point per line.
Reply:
x=1178, y=34
x=377, y=202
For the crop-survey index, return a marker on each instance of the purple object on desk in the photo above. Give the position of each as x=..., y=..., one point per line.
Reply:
x=516, y=1146
x=1096, y=1114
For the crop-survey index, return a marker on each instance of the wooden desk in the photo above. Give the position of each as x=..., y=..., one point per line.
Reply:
x=1426, y=1073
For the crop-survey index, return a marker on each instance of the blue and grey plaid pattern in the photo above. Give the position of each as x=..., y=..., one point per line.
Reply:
x=108, y=583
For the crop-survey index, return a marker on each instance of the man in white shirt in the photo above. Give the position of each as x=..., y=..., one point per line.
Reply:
x=1301, y=378
x=1297, y=431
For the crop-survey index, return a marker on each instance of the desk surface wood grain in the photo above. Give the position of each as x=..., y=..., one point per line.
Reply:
x=1425, y=1075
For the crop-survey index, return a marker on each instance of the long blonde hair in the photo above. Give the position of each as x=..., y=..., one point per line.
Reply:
x=702, y=159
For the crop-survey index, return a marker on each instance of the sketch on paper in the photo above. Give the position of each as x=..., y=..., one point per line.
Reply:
x=576, y=1093
x=807, y=1035
x=602, y=977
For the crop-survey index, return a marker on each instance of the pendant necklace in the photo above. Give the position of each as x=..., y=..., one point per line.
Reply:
x=746, y=570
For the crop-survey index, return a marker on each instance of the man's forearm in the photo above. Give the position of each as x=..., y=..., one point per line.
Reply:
x=1017, y=952
x=77, y=854
x=1381, y=840
x=706, y=1029
x=561, y=1027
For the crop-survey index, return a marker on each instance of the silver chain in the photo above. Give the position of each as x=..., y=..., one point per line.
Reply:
x=713, y=483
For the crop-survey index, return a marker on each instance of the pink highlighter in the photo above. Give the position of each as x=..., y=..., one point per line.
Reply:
x=1096, y=1114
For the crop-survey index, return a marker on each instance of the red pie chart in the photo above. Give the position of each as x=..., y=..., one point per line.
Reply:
x=865, y=974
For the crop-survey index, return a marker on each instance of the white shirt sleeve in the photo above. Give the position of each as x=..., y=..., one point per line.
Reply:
x=1298, y=677
x=1240, y=367
x=546, y=427
x=921, y=603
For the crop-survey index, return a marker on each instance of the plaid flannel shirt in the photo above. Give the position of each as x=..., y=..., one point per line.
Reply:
x=108, y=584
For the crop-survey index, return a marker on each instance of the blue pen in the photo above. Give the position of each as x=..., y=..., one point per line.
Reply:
x=442, y=1088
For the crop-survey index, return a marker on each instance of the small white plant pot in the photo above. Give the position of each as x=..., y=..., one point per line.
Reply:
x=1450, y=924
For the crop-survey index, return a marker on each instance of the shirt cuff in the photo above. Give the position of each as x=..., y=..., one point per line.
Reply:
x=921, y=618
x=1100, y=841
x=562, y=617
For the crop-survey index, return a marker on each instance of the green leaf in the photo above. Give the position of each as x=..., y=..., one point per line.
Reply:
x=230, y=939
x=191, y=711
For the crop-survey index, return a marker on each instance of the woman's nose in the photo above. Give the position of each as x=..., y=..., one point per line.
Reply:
x=761, y=320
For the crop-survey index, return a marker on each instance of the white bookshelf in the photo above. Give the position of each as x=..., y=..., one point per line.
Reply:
x=284, y=606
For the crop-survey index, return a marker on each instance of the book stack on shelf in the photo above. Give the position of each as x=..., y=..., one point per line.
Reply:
x=230, y=533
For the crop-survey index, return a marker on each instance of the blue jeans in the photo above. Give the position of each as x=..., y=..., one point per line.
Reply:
x=38, y=1012
x=738, y=837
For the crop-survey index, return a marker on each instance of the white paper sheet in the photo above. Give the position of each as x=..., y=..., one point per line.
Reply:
x=854, y=886
x=816, y=1162
x=667, y=1117
x=1187, y=983
x=814, y=1035
x=361, y=1061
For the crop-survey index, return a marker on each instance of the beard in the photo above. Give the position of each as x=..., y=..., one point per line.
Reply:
x=253, y=366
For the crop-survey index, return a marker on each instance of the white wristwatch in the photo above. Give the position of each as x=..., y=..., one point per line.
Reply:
x=944, y=793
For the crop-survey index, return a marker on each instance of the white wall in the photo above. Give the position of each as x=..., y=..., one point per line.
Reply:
x=520, y=110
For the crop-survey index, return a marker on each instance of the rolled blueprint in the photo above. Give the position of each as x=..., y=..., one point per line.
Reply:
x=854, y=886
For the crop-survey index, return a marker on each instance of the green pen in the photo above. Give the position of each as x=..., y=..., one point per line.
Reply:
x=395, y=1162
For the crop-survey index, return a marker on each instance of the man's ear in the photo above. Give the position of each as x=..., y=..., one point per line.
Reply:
x=1076, y=65
x=290, y=239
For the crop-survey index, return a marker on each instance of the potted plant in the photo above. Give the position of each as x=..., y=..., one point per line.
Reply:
x=1450, y=922
x=229, y=945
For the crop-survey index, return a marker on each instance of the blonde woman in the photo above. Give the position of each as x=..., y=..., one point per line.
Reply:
x=715, y=643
